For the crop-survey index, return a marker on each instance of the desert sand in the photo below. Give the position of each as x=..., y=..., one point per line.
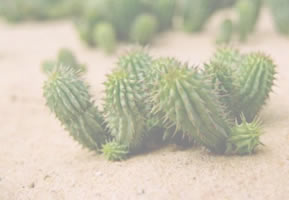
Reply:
x=39, y=160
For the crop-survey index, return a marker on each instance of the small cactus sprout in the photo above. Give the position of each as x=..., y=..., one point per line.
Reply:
x=248, y=12
x=197, y=13
x=225, y=33
x=189, y=103
x=123, y=110
x=245, y=137
x=114, y=151
x=105, y=37
x=65, y=58
x=144, y=29
x=255, y=82
x=68, y=98
x=280, y=12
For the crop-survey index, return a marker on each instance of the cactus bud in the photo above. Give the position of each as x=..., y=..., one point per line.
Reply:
x=245, y=137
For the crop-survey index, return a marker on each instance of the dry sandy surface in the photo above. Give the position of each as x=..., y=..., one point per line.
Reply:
x=38, y=160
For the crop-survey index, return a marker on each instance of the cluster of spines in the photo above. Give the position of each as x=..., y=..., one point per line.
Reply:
x=68, y=98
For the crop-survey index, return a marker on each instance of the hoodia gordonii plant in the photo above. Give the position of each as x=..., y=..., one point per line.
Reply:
x=68, y=98
x=143, y=94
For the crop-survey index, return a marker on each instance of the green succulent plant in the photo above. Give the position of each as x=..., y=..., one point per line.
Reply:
x=245, y=137
x=105, y=37
x=189, y=103
x=248, y=13
x=225, y=32
x=68, y=98
x=144, y=29
x=280, y=12
x=156, y=101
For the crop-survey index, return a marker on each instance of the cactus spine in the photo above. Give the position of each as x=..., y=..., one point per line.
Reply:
x=68, y=98
x=188, y=102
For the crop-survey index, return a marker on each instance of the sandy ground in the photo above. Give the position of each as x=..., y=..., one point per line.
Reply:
x=38, y=160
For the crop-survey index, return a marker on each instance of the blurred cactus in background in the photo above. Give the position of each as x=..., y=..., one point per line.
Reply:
x=248, y=13
x=280, y=13
x=20, y=10
x=105, y=37
x=196, y=13
x=144, y=29
x=226, y=30
x=65, y=58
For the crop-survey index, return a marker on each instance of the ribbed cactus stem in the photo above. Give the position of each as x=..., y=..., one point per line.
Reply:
x=189, y=103
x=68, y=98
x=255, y=81
x=123, y=109
x=222, y=70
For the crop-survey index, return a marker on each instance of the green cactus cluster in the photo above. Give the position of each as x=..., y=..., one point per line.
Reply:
x=125, y=20
x=65, y=58
x=162, y=99
x=21, y=10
